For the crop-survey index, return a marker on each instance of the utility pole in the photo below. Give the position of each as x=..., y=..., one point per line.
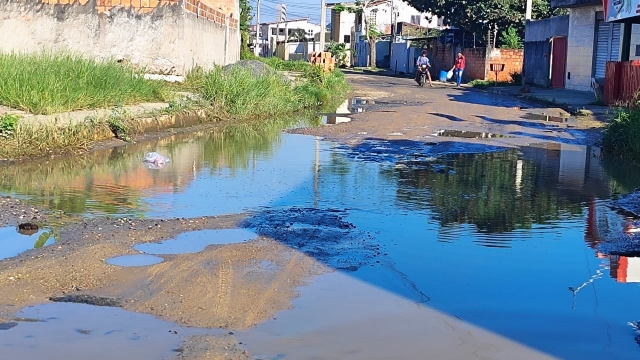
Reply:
x=257, y=49
x=323, y=24
x=528, y=11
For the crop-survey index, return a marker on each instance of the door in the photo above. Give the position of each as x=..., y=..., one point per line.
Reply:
x=608, y=38
x=558, y=61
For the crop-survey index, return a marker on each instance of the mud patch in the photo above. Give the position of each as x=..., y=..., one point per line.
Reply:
x=629, y=203
x=87, y=299
x=322, y=234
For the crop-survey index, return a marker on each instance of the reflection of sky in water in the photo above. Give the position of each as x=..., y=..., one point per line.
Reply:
x=536, y=210
x=13, y=243
x=221, y=192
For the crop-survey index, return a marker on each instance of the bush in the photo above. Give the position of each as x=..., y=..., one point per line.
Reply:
x=622, y=134
x=46, y=83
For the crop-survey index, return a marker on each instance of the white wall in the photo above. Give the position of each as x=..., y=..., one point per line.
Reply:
x=635, y=40
x=580, y=44
x=404, y=13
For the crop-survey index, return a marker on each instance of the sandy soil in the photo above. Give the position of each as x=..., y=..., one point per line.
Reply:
x=227, y=286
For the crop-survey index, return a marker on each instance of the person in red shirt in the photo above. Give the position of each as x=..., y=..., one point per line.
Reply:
x=458, y=68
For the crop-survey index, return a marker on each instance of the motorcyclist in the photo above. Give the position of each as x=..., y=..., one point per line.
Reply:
x=422, y=60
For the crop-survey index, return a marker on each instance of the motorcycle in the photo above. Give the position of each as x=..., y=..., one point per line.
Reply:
x=423, y=74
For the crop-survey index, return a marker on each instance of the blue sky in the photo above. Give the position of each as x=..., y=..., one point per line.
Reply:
x=295, y=9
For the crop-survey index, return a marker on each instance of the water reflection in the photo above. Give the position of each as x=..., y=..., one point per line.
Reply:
x=540, y=214
x=117, y=182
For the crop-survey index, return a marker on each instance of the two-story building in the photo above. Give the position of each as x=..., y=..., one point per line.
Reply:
x=275, y=32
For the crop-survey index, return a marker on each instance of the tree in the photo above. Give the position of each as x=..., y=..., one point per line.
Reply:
x=482, y=16
x=372, y=34
x=245, y=28
x=298, y=35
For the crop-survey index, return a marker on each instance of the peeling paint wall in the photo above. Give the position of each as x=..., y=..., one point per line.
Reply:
x=164, y=36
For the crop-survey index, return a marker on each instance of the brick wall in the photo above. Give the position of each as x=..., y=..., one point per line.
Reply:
x=475, y=59
x=213, y=10
x=478, y=61
x=512, y=60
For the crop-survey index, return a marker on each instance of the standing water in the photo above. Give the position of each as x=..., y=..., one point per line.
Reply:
x=508, y=242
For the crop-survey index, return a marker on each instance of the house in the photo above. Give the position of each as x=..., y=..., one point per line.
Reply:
x=381, y=16
x=165, y=37
x=272, y=33
x=595, y=37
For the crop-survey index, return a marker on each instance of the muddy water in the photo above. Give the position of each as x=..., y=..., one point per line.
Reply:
x=504, y=247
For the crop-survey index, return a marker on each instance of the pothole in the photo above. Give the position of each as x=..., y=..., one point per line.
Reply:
x=196, y=241
x=135, y=260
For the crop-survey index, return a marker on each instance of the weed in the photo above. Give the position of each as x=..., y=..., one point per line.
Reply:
x=117, y=123
x=47, y=83
x=8, y=124
x=622, y=134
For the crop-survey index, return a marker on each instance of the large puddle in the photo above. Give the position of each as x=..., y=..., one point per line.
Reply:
x=77, y=331
x=196, y=241
x=510, y=242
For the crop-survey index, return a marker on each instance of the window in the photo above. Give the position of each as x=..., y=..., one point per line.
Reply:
x=273, y=31
x=415, y=19
x=310, y=33
x=373, y=16
x=347, y=39
x=281, y=31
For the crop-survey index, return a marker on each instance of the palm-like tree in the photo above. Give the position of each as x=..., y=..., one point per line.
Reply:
x=298, y=35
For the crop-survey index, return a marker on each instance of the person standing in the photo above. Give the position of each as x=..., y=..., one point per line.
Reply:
x=458, y=68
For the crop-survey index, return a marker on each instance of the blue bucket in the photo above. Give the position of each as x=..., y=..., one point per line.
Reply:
x=443, y=76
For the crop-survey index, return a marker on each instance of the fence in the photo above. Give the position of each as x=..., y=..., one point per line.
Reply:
x=621, y=81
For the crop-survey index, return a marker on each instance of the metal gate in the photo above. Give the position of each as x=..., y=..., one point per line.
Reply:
x=608, y=38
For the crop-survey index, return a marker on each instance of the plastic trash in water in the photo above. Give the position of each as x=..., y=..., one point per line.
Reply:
x=155, y=161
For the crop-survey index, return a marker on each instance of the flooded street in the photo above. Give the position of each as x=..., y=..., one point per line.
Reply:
x=458, y=242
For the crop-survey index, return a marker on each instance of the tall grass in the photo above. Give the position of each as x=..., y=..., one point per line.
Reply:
x=240, y=94
x=622, y=134
x=47, y=83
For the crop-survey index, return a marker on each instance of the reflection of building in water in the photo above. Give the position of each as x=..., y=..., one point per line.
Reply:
x=625, y=269
x=601, y=224
x=574, y=168
x=343, y=109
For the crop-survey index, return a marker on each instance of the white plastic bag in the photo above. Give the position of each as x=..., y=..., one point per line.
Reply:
x=449, y=74
x=155, y=161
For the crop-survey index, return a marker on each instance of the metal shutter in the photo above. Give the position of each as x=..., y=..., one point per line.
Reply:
x=607, y=46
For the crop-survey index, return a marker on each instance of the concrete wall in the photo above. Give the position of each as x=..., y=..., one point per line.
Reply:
x=580, y=42
x=543, y=30
x=537, y=48
x=163, y=36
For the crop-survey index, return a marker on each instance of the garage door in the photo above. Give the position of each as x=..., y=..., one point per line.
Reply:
x=608, y=39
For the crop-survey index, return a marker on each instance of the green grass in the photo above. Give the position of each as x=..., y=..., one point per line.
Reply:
x=241, y=95
x=281, y=65
x=622, y=134
x=47, y=83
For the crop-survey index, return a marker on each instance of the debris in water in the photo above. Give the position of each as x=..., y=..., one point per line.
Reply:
x=155, y=161
x=28, y=228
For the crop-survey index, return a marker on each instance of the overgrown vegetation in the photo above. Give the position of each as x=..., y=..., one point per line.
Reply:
x=622, y=135
x=8, y=124
x=516, y=80
x=47, y=83
x=339, y=52
x=238, y=93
